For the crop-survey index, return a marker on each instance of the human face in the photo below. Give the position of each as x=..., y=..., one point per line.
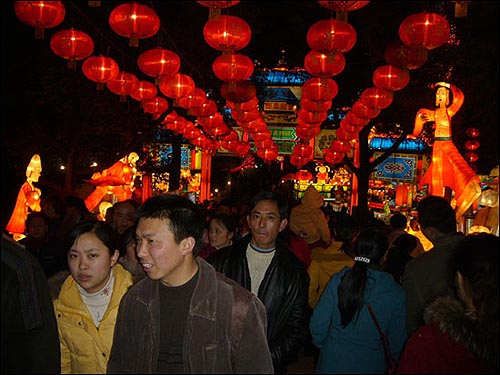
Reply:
x=160, y=256
x=123, y=217
x=441, y=97
x=90, y=262
x=37, y=228
x=218, y=235
x=265, y=224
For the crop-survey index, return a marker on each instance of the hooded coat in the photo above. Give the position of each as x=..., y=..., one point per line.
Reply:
x=451, y=342
x=308, y=220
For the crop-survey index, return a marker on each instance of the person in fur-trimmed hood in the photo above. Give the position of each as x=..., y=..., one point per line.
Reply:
x=460, y=335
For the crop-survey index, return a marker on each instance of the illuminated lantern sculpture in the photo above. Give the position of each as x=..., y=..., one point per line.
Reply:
x=124, y=84
x=117, y=180
x=324, y=65
x=391, y=78
x=427, y=30
x=233, y=67
x=135, y=21
x=376, y=97
x=447, y=168
x=158, y=62
x=320, y=89
x=72, y=45
x=28, y=199
x=177, y=85
x=227, y=33
x=402, y=56
x=40, y=14
x=331, y=36
x=100, y=69
x=145, y=90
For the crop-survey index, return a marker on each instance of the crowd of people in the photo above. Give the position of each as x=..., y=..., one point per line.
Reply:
x=171, y=286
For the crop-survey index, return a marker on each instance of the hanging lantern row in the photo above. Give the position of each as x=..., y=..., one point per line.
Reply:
x=471, y=146
x=418, y=34
x=72, y=45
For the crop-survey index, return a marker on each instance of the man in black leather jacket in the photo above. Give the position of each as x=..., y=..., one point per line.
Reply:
x=263, y=264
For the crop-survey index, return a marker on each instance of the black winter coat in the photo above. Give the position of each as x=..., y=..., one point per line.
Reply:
x=284, y=292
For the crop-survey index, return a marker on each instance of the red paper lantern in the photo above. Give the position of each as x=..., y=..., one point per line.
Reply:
x=303, y=175
x=135, y=21
x=40, y=14
x=343, y=5
x=324, y=65
x=158, y=62
x=298, y=161
x=227, y=33
x=303, y=150
x=320, y=89
x=177, y=85
x=251, y=105
x=352, y=119
x=427, y=30
x=124, y=84
x=145, y=90
x=312, y=117
x=238, y=92
x=207, y=108
x=331, y=36
x=72, y=45
x=376, y=98
x=100, y=69
x=391, y=78
x=471, y=157
x=193, y=100
x=472, y=132
x=472, y=145
x=245, y=116
x=233, y=67
x=268, y=154
x=402, y=56
x=363, y=111
x=315, y=106
x=307, y=133
x=333, y=157
x=340, y=146
x=156, y=106
x=218, y=3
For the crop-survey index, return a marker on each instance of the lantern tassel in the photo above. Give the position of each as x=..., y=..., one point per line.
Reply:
x=94, y=4
x=341, y=15
x=461, y=9
x=72, y=64
x=39, y=33
x=214, y=13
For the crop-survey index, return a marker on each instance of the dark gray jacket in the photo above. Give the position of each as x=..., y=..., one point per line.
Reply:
x=225, y=329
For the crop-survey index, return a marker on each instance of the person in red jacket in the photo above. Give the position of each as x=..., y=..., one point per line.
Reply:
x=460, y=335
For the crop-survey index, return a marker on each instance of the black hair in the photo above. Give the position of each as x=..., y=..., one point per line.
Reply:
x=398, y=220
x=436, y=212
x=126, y=238
x=184, y=216
x=370, y=244
x=104, y=232
x=229, y=221
x=283, y=206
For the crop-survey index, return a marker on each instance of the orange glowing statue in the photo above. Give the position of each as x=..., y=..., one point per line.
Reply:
x=448, y=168
x=28, y=199
x=117, y=180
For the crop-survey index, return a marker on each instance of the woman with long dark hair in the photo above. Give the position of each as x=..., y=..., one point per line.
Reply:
x=341, y=325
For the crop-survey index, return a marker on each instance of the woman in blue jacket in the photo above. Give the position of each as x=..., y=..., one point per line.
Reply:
x=341, y=325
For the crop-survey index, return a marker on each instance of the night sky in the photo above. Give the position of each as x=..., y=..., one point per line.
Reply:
x=39, y=91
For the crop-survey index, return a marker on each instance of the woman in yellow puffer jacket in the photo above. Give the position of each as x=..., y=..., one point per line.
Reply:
x=87, y=306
